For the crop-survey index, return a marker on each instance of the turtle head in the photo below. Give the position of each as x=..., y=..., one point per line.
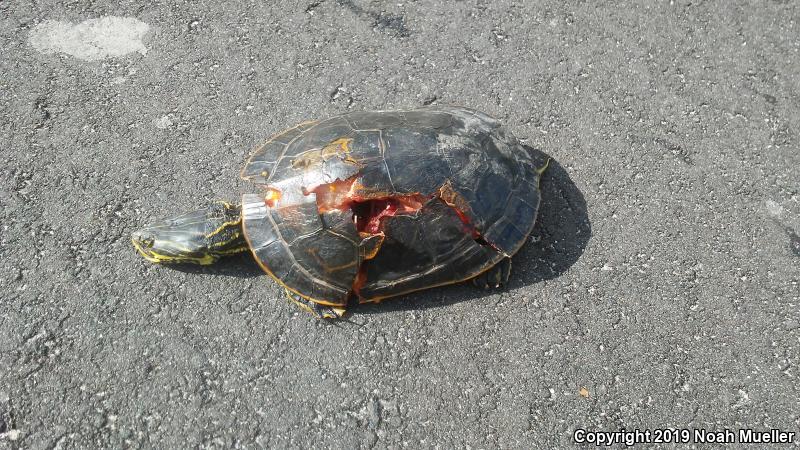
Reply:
x=199, y=237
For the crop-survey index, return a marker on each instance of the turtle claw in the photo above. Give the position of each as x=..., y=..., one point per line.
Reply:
x=315, y=309
x=495, y=277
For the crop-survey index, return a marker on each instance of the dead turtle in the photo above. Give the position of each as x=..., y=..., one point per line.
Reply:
x=370, y=205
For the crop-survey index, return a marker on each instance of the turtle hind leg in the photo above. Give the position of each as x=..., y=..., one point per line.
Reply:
x=495, y=277
x=316, y=310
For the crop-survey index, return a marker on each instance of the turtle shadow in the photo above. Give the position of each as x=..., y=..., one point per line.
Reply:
x=241, y=265
x=559, y=238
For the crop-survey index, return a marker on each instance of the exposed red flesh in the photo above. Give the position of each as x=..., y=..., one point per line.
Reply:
x=370, y=213
x=336, y=195
x=371, y=210
x=378, y=209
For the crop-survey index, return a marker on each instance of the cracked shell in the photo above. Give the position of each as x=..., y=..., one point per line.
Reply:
x=479, y=185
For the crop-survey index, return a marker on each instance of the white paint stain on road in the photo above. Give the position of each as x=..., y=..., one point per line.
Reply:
x=91, y=40
x=774, y=209
x=164, y=122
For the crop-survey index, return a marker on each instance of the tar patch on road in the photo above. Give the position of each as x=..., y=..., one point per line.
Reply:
x=794, y=241
x=381, y=20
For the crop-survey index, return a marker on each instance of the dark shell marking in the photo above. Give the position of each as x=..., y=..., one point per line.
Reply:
x=481, y=183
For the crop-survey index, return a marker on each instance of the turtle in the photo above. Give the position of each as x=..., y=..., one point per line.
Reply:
x=369, y=205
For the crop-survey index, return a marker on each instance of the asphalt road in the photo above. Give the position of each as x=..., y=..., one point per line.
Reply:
x=660, y=288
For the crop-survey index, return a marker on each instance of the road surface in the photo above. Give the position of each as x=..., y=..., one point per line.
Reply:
x=659, y=288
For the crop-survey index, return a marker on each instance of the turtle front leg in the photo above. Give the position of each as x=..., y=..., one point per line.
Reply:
x=316, y=310
x=494, y=277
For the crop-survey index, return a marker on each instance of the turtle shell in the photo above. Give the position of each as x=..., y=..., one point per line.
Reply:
x=377, y=204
